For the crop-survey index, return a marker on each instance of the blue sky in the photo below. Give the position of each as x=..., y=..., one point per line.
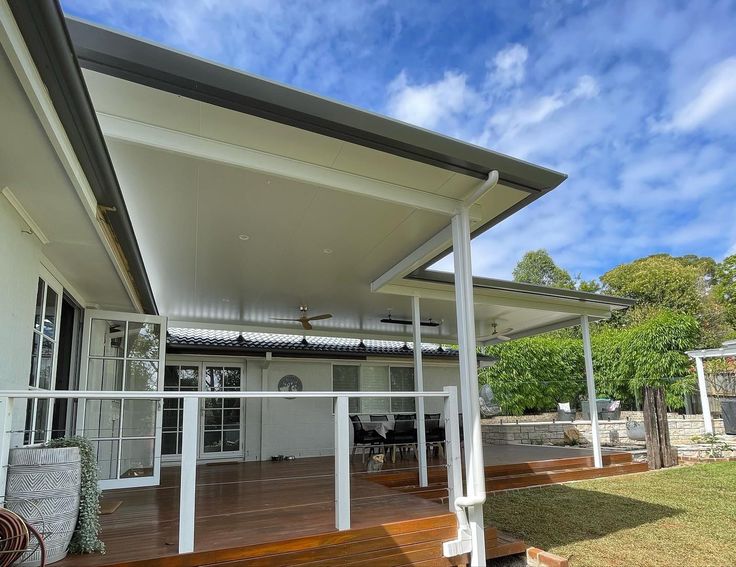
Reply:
x=635, y=101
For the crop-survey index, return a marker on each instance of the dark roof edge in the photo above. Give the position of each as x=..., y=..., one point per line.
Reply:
x=139, y=61
x=297, y=353
x=45, y=34
x=505, y=285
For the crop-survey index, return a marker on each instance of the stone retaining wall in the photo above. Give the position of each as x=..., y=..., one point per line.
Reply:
x=682, y=429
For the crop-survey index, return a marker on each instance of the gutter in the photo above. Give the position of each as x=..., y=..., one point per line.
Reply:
x=46, y=36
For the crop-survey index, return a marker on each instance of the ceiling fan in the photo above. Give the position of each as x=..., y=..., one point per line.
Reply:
x=499, y=337
x=304, y=319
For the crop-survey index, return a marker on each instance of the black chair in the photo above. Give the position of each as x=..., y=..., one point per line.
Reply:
x=382, y=417
x=404, y=434
x=363, y=439
x=434, y=433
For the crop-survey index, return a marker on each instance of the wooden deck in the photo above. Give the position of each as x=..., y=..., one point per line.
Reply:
x=247, y=511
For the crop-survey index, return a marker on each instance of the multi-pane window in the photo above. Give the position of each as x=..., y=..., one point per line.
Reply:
x=177, y=378
x=43, y=360
x=375, y=378
x=221, y=415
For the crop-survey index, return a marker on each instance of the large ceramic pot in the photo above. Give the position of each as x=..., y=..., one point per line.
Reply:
x=635, y=430
x=43, y=487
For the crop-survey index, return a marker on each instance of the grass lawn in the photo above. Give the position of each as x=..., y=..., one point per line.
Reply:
x=679, y=516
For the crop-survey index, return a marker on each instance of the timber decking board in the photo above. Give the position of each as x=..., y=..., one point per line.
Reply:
x=558, y=476
x=248, y=504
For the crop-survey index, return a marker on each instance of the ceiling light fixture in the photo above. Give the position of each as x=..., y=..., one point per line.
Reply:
x=243, y=237
x=428, y=323
x=327, y=250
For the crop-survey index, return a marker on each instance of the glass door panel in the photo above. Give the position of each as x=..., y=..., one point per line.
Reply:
x=177, y=378
x=221, y=419
x=123, y=352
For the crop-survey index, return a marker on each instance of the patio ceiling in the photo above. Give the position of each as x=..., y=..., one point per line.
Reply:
x=247, y=199
x=244, y=215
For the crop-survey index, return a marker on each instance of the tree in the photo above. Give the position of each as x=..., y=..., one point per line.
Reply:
x=538, y=267
x=659, y=281
x=725, y=287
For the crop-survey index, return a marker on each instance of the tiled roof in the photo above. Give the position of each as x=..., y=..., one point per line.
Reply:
x=207, y=339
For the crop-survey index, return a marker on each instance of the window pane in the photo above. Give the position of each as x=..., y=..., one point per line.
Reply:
x=189, y=378
x=171, y=378
x=49, y=320
x=232, y=379
x=42, y=413
x=213, y=380
x=168, y=443
x=107, y=459
x=139, y=418
x=28, y=429
x=39, y=306
x=141, y=375
x=403, y=405
x=136, y=458
x=354, y=405
x=345, y=378
x=212, y=441
x=105, y=375
x=107, y=338
x=102, y=418
x=34, y=361
x=374, y=405
x=402, y=379
x=46, y=365
x=231, y=440
x=143, y=340
x=374, y=379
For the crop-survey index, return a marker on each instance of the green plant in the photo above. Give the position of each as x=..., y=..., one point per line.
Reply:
x=716, y=446
x=86, y=535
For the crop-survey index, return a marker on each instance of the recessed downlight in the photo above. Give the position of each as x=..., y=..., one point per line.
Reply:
x=327, y=250
x=226, y=300
x=243, y=237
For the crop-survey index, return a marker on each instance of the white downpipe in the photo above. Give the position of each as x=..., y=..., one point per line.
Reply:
x=475, y=473
x=419, y=378
x=592, y=404
x=703, y=387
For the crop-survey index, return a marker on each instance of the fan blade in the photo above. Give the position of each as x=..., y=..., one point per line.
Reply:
x=318, y=317
x=283, y=319
x=305, y=324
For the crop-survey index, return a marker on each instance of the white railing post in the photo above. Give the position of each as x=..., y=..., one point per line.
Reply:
x=452, y=447
x=342, y=464
x=6, y=428
x=419, y=379
x=188, y=485
x=592, y=397
x=703, y=387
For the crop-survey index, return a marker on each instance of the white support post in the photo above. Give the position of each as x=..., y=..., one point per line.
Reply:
x=188, y=483
x=6, y=428
x=452, y=447
x=475, y=473
x=703, y=387
x=590, y=381
x=419, y=378
x=342, y=464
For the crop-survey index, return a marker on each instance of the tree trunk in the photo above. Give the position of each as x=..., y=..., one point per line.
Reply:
x=659, y=449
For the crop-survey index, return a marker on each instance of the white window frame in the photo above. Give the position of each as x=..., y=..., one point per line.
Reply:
x=32, y=435
x=361, y=365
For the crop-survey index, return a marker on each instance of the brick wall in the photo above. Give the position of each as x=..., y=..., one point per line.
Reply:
x=612, y=432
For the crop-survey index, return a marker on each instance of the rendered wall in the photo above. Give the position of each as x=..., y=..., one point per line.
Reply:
x=20, y=255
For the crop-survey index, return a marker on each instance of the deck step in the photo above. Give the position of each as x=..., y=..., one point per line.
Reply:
x=564, y=475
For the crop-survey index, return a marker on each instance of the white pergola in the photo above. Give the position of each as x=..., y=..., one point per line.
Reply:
x=727, y=349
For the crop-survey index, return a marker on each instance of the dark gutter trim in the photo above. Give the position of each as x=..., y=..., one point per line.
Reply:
x=44, y=32
x=135, y=60
x=518, y=287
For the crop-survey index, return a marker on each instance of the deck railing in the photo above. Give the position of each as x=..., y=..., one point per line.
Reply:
x=189, y=448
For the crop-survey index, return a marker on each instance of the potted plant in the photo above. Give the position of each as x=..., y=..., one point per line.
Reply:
x=54, y=487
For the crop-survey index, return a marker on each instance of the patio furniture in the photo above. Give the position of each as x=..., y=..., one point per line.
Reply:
x=381, y=417
x=565, y=412
x=612, y=411
x=601, y=404
x=363, y=439
x=404, y=435
x=434, y=434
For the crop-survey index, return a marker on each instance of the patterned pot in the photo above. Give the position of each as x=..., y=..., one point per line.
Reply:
x=43, y=487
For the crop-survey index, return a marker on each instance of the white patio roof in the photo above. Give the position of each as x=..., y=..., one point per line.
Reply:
x=248, y=199
x=727, y=349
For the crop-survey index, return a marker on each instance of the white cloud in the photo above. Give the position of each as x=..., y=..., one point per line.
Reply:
x=715, y=99
x=509, y=64
x=430, y=105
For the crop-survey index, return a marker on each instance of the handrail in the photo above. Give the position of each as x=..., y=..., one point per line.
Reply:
x=168, y=394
